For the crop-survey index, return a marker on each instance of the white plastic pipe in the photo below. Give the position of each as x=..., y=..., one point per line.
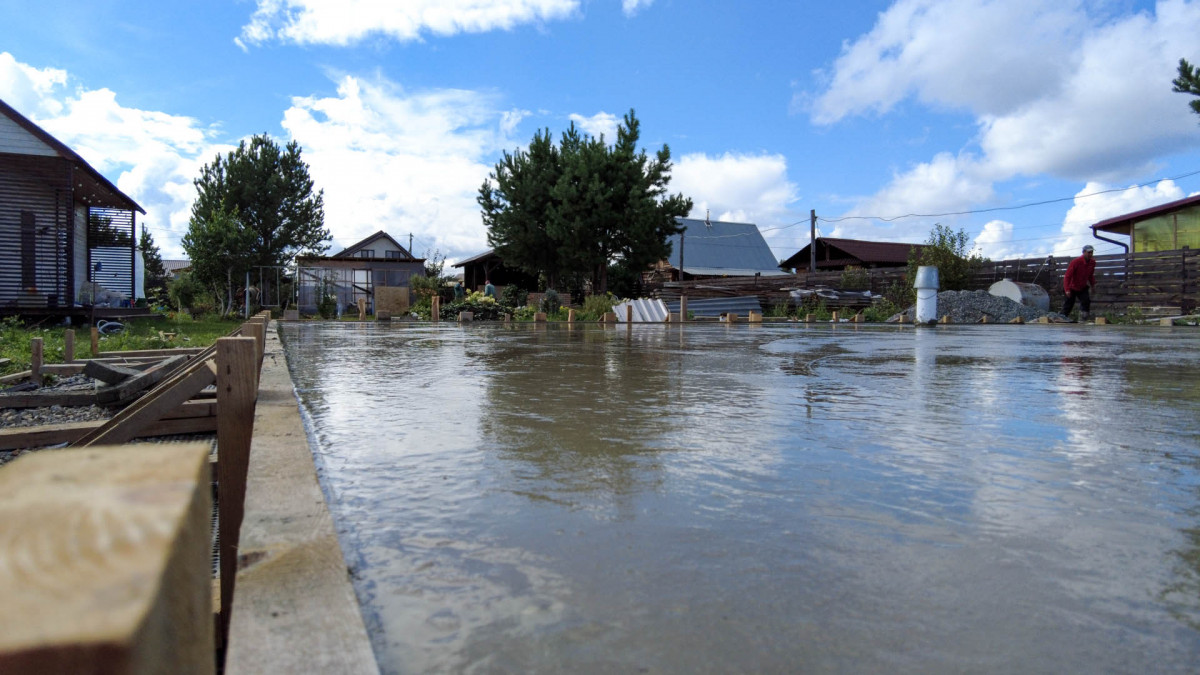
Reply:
x=927, y=290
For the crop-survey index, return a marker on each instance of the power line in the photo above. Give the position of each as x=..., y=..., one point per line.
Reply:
x=888, y=219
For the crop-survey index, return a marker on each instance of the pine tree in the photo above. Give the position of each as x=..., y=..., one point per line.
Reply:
x=1188, y=82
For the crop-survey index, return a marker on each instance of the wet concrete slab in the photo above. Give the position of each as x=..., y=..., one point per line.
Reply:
x=763, y=498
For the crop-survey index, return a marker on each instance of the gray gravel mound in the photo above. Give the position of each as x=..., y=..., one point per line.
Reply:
x=972, y=306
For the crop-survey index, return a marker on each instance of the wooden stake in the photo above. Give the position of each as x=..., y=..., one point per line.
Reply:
x=362, y=309
x=539, y=317
x=107, y=561
x=69, y=345
x=629, y=313
x=35, y=360
x=570, y=316
x=237, y=387
x=836, y=318
x=1018, y=320
x=731, y=318
x=946, y=319
x=683, y=308
x=985, y=319
x=1166, y=322
x=809, y=318
x=903, y=318
x=1043, y=319
x=1100, y=321
x=436, y=309
x=95, y=342
x=755, y=317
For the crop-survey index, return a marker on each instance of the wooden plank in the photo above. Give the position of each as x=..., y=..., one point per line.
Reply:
x=109, y=373
x=35, y=359
x=129, y=422
x=294, y=610
x=186, y=351
x=134, y=386
x=237, y=389
x=42, y=399
x=54, y=434
x=104, y=561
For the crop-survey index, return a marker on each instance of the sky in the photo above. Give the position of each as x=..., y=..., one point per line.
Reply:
x=1021, y=122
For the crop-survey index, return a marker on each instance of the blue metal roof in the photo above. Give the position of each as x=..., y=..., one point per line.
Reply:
x=712, y=248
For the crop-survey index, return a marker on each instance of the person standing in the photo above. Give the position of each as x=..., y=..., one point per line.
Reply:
x=489, y=291
x=459, y=292
x=1078, y=283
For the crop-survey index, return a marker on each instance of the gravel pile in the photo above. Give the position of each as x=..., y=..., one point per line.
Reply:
x=56, y=414
x=972, y=306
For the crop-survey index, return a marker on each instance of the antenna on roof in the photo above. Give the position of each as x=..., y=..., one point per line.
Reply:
x=707, y=222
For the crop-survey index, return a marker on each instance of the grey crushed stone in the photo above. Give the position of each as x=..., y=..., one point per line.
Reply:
x=972, y=306
x=11, y=418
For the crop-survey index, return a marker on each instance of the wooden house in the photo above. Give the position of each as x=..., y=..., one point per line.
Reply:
x=63, y=226
x=838, y=254
x=489, y=266
x=358, y=271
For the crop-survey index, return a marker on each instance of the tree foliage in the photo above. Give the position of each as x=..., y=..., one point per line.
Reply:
x=581, y=207
x=1188, y=82
x=155, y=279
x=255, y=206
x=947, y=250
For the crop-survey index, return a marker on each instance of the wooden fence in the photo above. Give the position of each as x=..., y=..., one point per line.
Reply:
x=1166, y=279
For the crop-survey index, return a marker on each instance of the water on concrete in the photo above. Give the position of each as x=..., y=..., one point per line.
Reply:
x=763, y=498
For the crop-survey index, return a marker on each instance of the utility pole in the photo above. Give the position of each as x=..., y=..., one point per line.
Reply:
x=681, y=255
x=812, y=248
x=410, y=246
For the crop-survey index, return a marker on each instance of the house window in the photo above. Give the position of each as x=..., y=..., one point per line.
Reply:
x=367, y=253
x=394, y=255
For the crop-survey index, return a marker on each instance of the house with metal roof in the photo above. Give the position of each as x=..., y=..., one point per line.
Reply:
x=357, y=271
x=63, y=226
x=1166, y=227
x=712, y=248
x=838, y=254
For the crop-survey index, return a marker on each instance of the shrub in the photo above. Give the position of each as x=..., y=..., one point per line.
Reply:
x=778, y=309
x=513, y=296
x=550, y=302
x=946, y=250
x=855, y=278
x=184, y=291
x=596, y=306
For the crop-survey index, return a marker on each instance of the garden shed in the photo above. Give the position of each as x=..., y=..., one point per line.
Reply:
x=356, y=272
x=489, y=266
x=65, y=230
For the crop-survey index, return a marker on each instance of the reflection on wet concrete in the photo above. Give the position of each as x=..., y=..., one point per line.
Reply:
x=763, y=498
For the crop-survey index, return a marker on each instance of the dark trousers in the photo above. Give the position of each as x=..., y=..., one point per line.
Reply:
x=1085, y=302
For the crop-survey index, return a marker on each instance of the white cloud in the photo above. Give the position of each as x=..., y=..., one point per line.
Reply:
x=739, y=188
x=402, y=161
x=1095, y=203
x=600, y=124
x=631, y=7
x=153, y=155
x=995, y=241
x=1055, y=90
x=344, y=22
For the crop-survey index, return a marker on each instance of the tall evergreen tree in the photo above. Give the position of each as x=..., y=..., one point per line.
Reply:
x=582, y=207
x=155, y=279
x=1188, y=82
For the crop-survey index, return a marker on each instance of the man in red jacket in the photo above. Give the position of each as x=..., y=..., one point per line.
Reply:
x=1080, y=276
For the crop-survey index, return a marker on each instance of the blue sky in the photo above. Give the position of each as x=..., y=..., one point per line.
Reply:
x=861, y=111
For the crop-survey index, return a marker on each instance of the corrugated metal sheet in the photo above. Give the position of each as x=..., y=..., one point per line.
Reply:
x=644, y=310
x=742, y=306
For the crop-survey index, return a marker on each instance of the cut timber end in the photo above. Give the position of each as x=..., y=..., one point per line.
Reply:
x=1100, y=321
x=539, y=317
x=836, y=317
x=1166, y=322
x=466, y=316
x=755, y=317
x=1018, y=320
x=1043, y=319
x=903, y=318
x=106, y=561
x=810, y=318
x=857, y=318
x=731, y=318
x=570, y=316
x=946, y=319
x=610, y=317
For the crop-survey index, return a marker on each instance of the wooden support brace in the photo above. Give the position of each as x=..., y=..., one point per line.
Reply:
x=237, y=389
x=105, y=565
x=164, y=398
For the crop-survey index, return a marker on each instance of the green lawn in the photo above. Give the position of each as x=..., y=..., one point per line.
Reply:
x=138, y=334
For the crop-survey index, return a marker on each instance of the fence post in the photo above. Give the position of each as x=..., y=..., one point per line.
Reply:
x=1186, y=305
x=95, y=342
x=237, y=387
x=69, y=345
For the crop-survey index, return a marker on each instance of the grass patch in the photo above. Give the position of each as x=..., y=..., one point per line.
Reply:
x=138, y=334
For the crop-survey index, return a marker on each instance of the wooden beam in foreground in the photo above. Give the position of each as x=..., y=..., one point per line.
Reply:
x=53, y=434
x=104, y=561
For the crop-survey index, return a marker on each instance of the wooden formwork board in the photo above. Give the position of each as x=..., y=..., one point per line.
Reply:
x=104, y=561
